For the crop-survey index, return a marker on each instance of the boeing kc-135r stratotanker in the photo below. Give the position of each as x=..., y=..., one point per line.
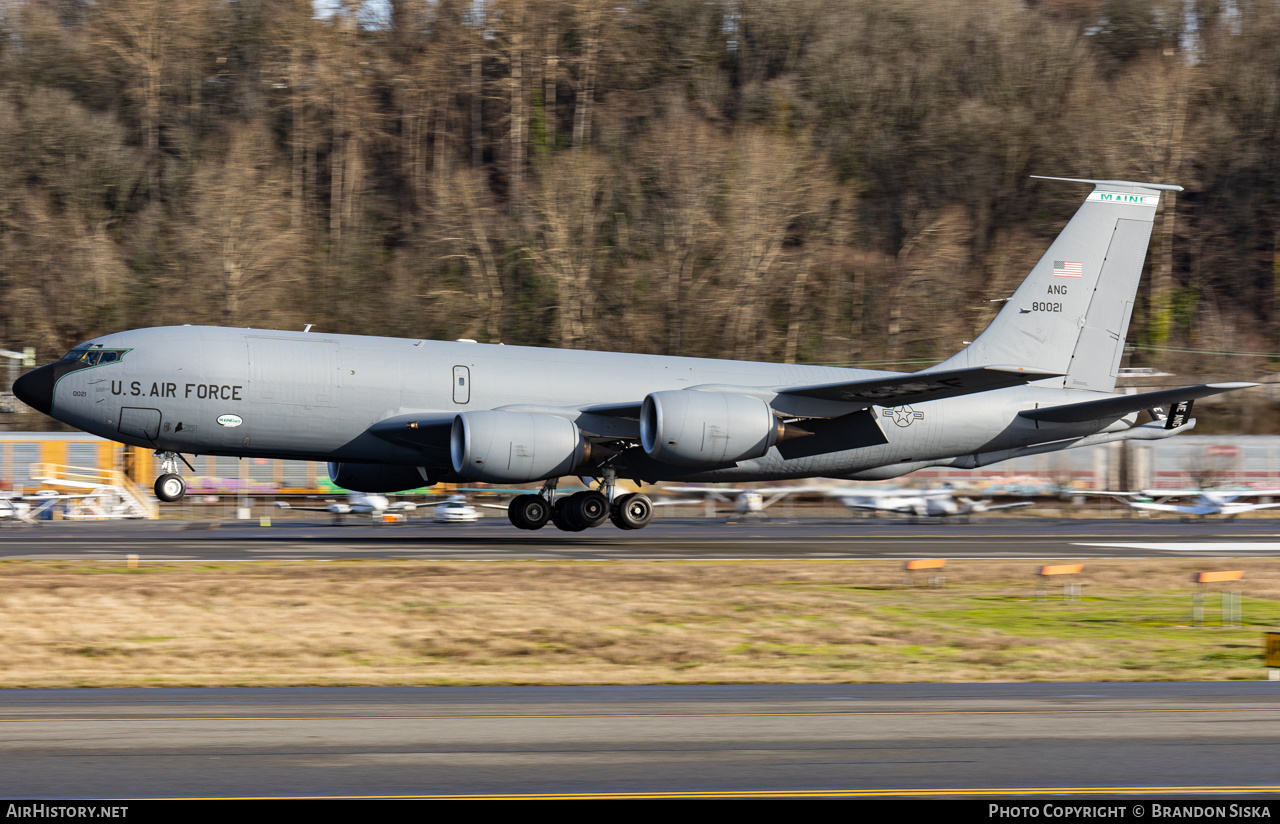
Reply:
x=390, y=414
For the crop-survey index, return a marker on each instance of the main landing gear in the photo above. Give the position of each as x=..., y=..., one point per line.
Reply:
x=170, y=486
x=581, y=510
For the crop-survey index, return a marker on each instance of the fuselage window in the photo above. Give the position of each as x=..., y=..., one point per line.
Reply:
x=461, y=392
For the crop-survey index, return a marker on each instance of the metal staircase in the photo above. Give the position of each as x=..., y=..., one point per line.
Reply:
x=100, y=494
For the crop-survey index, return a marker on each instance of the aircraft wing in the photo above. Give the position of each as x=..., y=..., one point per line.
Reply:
x=898, y=510
x=1236, y=509
x=992, y=507
x=1232, y=494
x=431, y=430
x=1179, y=508
x=331, y=508
x=503, y=507
x=723, y=495
x=1220, y=495
x=723, y=491
x=1121, y=405
x=918, y=387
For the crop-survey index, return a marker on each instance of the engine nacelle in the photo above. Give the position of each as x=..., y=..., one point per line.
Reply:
x=514, y=447
x=693, y=428
x=379, y=477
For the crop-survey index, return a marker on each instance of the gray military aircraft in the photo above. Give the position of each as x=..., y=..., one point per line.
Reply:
x=391, y=414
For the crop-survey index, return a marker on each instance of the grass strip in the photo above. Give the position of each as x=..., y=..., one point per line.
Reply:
x=299, y=623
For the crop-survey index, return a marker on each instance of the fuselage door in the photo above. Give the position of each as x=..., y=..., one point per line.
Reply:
x=140, y=423
x=461, y=384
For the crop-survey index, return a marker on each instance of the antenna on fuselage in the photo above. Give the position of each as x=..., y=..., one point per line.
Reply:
x=308, y=329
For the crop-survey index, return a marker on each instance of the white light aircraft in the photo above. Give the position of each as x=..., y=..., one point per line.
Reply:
x=373, y=506
x=745, y=502
x=1202, y=501
x=918, y=503
x=19, y=508
x=376, y=506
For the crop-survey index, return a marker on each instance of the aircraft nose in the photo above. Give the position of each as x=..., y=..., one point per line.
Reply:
x=35, y=388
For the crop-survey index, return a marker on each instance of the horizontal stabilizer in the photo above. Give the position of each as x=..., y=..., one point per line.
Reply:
x=1118, y=406
x=1157, y=187
x=919, y=387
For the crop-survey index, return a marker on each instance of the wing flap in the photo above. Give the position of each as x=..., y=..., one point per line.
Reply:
x=1121, y=405
x=918, y=387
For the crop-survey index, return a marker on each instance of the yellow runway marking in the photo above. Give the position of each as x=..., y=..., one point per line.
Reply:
x=1146, y=711
x=991, y=792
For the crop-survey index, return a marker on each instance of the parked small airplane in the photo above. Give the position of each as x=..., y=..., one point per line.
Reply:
x=749, y=503
x=918, y=503
x=1203, y=501
x=19, y=508
x=940, y=502
x=392, y=414
x=375, y=506
x=14, y=509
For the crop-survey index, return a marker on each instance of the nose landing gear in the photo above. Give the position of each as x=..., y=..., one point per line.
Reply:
x=170, y=486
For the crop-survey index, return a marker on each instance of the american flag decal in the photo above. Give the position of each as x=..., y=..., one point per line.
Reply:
x=1068, y=269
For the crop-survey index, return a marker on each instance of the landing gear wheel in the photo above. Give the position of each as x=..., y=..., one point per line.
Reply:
x=529, y=512
x=633, y=511
x=562, y=516
x=588, y=508
x=170, y=487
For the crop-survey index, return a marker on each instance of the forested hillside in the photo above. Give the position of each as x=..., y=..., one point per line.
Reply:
x=829, y=181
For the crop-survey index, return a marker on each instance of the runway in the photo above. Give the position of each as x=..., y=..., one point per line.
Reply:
x=785, y=741
x=998, y=740
x=666, y=539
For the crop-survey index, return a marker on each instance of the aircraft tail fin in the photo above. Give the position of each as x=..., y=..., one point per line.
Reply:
x=1071, y=313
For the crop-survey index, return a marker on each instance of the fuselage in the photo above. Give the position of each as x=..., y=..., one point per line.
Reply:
x=264, y=393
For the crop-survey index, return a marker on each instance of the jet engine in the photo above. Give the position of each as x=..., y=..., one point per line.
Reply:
x=378, y=477
x=694, y=428
x=514, y=447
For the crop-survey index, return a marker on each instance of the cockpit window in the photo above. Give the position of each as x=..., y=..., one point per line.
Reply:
x=94, y=355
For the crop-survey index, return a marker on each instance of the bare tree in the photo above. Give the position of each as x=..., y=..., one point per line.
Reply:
x=240, y=240
x=570, y=207
x=146, y=40
x=768, y=192
x=465, y=223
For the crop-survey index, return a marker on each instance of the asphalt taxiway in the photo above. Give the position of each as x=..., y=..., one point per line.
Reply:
x=665, y=539
x=949, y=740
